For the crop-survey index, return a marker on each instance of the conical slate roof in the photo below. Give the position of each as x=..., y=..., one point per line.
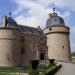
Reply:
x=54, y=20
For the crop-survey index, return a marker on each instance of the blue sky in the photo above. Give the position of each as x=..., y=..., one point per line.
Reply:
x=35, y=12
x=6, y=6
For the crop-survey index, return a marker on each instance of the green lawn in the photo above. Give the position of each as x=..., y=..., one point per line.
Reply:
x=6, y=73
x=26, y=69
x=73, y=58
x=14, y=70
x=42, y=69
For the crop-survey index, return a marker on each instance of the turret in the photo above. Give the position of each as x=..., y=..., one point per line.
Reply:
x=58, y=41
x=9, y=22
x=9, y=43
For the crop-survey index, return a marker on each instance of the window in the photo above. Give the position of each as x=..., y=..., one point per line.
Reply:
x=31, y=30
x=22, y=50
x=41, y=39
x=55, y=19
x=63, y=47
x=50, y=28
x=41, y=56
x=33, y=38
x=22, y=29
x=8, y=57
x=39, y=32
x=22, y=39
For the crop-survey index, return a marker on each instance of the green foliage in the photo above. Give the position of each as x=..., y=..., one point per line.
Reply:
x=42, y=66
x=34, y=63
x=43, y=69
x=50, y=70
x=42, y=73
x=26, y=68
x=6, y=73
x=33, y=72
x=50, y=66
x=73, y=53
x=40, y=69
x=53, y=70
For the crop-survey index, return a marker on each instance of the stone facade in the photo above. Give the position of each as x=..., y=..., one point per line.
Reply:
x=19, y=44
x=9, y=47
x=58, y=43
x=34, y=42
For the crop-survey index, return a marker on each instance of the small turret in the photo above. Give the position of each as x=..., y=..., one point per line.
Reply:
x=54, y=20
x=9, y=22
x=58, y=41
x=4, y=22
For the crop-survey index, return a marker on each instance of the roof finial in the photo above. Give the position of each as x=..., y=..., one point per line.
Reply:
x=10, y=14
x=53, y=8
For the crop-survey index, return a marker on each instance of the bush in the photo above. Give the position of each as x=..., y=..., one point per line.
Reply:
x=73, y=53
x=42, y=66
x=50, y=66
x=34, y=63
x=51, y=61
x=41, y=73
x=33, y=72
x=53, y=70
x=6, y=73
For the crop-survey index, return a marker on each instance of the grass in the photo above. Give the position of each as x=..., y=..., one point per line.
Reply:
x=42, y=69
x=26, y=69
x=6, y=73
x=73, y=58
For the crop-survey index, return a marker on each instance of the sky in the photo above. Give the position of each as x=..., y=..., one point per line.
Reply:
x=35, y=13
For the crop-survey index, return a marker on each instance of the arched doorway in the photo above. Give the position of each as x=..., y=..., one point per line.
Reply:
x=42, y=56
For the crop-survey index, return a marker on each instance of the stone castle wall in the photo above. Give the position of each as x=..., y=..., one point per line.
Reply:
x=18, y=47
x=9, y=47
x=32, y=40
x=58, y=43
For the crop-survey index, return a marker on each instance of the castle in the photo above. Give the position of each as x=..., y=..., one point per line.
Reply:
x=19, y=44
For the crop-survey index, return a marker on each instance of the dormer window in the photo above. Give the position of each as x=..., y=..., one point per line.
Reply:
x=55, y=19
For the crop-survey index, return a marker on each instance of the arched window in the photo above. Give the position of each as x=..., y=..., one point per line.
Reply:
x=22, y=50
x=22, y=39
x=42, y=56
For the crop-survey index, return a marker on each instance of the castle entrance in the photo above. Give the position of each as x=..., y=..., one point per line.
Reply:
x=42, y=56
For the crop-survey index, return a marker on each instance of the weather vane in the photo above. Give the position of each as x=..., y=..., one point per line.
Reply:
x=53, y=8
x=10, y=13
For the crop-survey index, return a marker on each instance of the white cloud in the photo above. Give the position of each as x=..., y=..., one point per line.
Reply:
x=39, y=10
x=69, y=4
x=73, y=29
x=72, y=37
x=72, y=46
x=38, y=14
x=31, y=21
x=17, y=11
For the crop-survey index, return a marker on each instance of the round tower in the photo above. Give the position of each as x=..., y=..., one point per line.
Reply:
x=58, y=41
x=9, y=44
